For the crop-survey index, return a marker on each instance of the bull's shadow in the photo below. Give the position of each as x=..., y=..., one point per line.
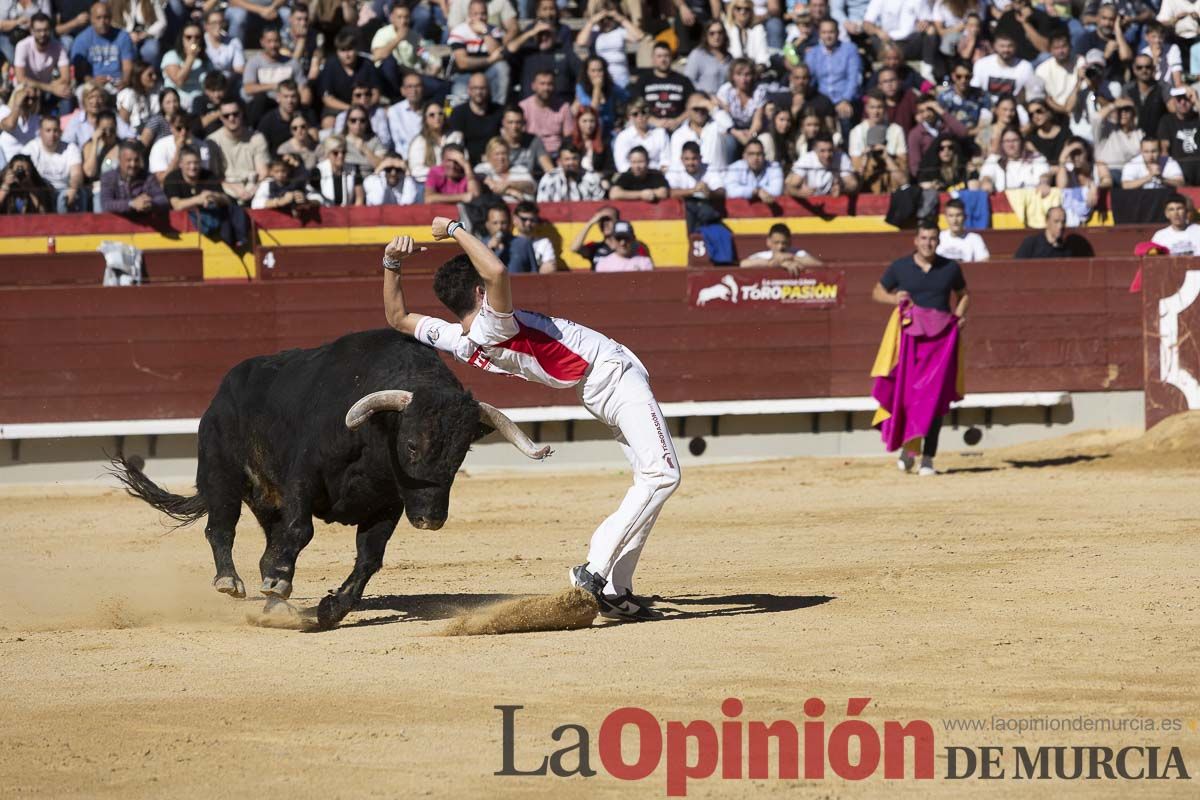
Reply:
x=433, y=607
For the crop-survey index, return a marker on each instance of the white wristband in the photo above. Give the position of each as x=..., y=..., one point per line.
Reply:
x=392, y=264
x=452, y=227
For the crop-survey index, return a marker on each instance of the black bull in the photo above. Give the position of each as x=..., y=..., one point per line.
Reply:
x=295, y=435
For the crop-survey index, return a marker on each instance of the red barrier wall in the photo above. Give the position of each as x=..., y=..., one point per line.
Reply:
x=1171, y=313
x=159, y=351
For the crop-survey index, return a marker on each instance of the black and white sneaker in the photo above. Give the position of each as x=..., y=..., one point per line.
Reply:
x=627, y=609
x=590, y=582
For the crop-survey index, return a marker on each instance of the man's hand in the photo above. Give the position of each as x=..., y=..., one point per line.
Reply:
x=438, y=228
x=902, y=297
x=140, y=203
x=686, y=16
x=400, y=248
x=962, y=320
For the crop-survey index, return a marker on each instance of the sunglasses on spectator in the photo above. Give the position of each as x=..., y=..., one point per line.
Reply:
x=1038, y=110
x=299, y=126
x=391, y=169
x=637, y=113
x=961, y=76
x=698, y=108
x=230, y=114
x=357, y=119
x=1143, y=66
x=528, y=220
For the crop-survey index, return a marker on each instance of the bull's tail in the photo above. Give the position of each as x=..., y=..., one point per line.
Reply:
x=184, y=510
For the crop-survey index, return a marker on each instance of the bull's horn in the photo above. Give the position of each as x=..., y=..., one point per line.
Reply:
x=390, y=400
x=509, y=430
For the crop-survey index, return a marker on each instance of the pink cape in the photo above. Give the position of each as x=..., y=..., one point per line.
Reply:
x=924, y=381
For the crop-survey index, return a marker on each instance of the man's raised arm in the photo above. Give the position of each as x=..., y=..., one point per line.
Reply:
x=490, y=268
x=398, y=315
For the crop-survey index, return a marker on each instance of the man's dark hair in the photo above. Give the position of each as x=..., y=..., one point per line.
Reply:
x=661, y=45
x=131, y=145
x=1175, y=198
x=1006, y=35
x=568, y=148
x=454, y=285
x=956, y=203
x=823, y=136
x=1154, y=26
x=691, y=147
x=780, y=228
x=640, y=149
x=453, y=147
x=526, y=207
x=188, y=150
x=1059, y=35
x=215, y=81
x=877, y=93
x=106, y=114
x=40, y=17
x=346, y=39
x=542, y=72
x=288, y=84
x=927, y=224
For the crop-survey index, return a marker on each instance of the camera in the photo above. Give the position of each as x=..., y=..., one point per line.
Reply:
x=1093, y=72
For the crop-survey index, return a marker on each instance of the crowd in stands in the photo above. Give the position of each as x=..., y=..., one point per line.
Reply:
x=215, y=106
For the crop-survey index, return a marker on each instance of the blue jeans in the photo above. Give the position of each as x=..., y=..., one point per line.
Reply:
x=83, y=201
x=238, y=18
x=776, y=33
x=425, y=16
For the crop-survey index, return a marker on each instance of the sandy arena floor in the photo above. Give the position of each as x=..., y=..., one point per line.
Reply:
x=1058, y=579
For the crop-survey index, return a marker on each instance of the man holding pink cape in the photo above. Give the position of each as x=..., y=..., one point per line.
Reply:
x=916, y=372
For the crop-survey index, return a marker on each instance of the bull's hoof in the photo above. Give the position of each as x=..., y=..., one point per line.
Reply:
x=277, y=587
x=279, y=613
x=329, y=612
x=230, y=585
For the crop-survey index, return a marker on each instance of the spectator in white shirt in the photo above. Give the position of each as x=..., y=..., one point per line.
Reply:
x=640, y=133
x=706, y=125
x=753, y=177
x=224, y=52
x=404, y=118
x=60, y=164
x=1014, y=167
x=823, y=170
x=389, y=185
x=1060, y=74
x=20, y=121
x=780, y=253
x=691, y=178
x=956, y=243
x=1151, y=169
x=1181, y=238
x=903, y=23
x=1002, y=73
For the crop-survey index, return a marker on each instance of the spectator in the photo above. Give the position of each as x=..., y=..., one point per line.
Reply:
x=497, y=233
x=708, y=64
x=364, y=150
x=754, y=178
x=1179, y=17
x=877, y=148
x=389, y=185
x=41, y=63
x=691, y=178
x=80, y=126
x=779, y=139
x=1147, y=95
x=281, y=190
x=1090, y=95
x=781, y=253
x=331, y=17
x=23, y=190
x=1003, y=72
x=524, y=150
x=394, y=49
x=271, y=13
x=530, y=252
x=605, y=35
x=452, y=181
x=19, y=123
x=1120, y=141
x=545, y=115
x=198, y=191
x=404, y=118
x=145, y=21
x=663, y=90
x=1168, y=63
x=1151, y=169
x=138, y=101
x=500, y=15
x=425, y=150
x=1014, y=167
x=548, y=45
x=802, y=97
x=955, y=242
x=639, y=133
x=185, y=67
x=241, y=154
x=823, y=170
x=691, y=23
x=640, y=182
x=164, y=155
x=60, y=164
x=625, y=255
x=301, y=145
x=1028, y=28
x=1005, y=115
x=101, y=53
x=130, y=189
x=948, y=18
x=595, y=154
x=812, y=127
x=932, y=122
x=1080, y=178
x=568, y=181
x=836, y=71
x=597, y=91
x=512, y=184
x=1051, y=243
x=899, y=102
x=70, y=18
x=1060, y=74
x=266, y=71
x=340, y=75
x=333, y=180
x=746, y=39
x=1179, y=237
x=944, y=168
x=902, y=23
x=476, y=46
x=1110, y=35
x=1179, y=135
x=207, y=107
x=100, y=153
x=300, y=42
x=968, y=104
x=276, y=124
x=225, y=52
x=707, y=128
x=158, y=126
x=743, y=99
x=477, y=120
x=1045, y=134
x=606, y=219
x=366, y=96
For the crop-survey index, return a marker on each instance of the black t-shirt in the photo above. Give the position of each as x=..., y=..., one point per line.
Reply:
x=927, y=289
x=814, y=101
x=1050, y=148
x=67, y=10
x=665, y=96
x=1042, y=22
x=476, y=128
x=1183, y=137
x=1150, y=110
x=334, y=80
x=174, y=186
x=276, y=130
x=201, y=106
x=653, y=179
x=1071, y=246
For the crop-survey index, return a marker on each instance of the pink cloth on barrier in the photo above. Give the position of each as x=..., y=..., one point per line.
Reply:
x=925, y=380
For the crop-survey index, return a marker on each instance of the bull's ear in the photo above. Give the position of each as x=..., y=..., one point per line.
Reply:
x=481, y=431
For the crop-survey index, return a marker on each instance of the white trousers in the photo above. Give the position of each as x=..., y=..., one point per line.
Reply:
x=617, y=392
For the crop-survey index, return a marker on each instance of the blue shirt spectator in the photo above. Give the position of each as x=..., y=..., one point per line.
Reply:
x=754, y=177
x=835, y=65
x=101, y=52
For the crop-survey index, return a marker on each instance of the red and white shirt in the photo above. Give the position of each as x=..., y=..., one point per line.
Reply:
x=525, y=344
